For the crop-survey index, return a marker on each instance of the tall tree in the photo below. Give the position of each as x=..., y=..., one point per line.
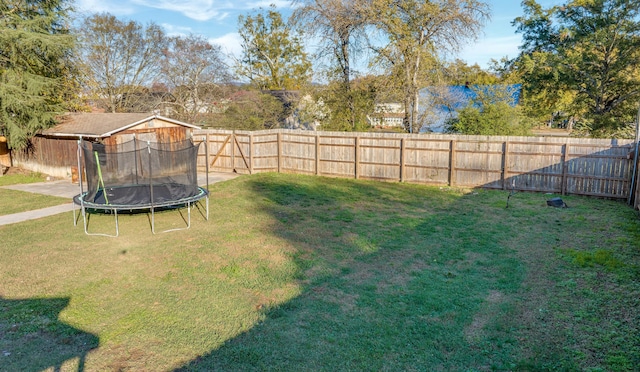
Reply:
x=119, y=58
x=419, y=33
x=251, y=110
x=585, y=55
x=191, y=67
x=273, y=56
x=35, y=46
x=339, y=24
x=459, y=73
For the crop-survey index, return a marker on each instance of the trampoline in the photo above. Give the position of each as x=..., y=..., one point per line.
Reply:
x=138, y=176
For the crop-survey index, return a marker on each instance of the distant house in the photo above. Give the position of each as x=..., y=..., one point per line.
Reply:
x=54, y=150
x=387, y=115
x=439, y=104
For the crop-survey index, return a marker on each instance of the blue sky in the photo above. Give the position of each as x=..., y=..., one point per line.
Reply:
x=217, y=20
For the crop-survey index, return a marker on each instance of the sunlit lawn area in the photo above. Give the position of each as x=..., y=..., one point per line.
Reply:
x=20, y=176
x=12, y=201
x=295, y=273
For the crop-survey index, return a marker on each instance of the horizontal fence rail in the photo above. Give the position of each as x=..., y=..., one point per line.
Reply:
x=581, y=166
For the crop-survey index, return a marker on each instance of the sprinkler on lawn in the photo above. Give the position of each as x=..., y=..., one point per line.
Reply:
x=512, y=192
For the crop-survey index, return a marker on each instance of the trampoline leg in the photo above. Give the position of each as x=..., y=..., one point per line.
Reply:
x=189, y=205
x=188, y=215
x=115, y=211
x=153, y=222
x=85, y=219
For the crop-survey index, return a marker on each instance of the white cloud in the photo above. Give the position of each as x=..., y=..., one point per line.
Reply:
x=117, y=8
x=231, y=44
x=199, y=10
x=173, y=30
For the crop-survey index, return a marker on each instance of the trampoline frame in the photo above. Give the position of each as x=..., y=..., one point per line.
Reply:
x=86, y=206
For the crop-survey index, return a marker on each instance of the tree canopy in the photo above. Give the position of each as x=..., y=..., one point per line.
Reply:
x=35, y=50
x=119, y=58
x=419, y=33
x=578, y=64
x=339, y=25
x=273, y=56
x=192, y=67
x=581, y=59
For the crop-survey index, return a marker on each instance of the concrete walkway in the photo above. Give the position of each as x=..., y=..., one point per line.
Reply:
x=66, y=189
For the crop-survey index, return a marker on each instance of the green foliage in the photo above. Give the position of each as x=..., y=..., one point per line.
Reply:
x=273, y=55
x=459, y=73
x=18, y=178
x=491, y=113
x=35, y=46
x=340, y=28
x=348, y=109
x=251, y=110
x=579, y=60
x=420, y=32
x=494, y=119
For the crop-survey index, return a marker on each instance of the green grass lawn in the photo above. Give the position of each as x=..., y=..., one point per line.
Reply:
x=295, y=273
x=21, y=177
x=12, y=201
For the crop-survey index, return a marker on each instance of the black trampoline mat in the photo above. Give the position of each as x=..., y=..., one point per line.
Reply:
x=142, y=196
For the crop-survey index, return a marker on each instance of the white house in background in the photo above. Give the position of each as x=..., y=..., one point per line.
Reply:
x=387, y=115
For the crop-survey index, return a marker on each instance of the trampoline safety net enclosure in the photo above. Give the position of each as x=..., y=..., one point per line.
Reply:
x=139, y=175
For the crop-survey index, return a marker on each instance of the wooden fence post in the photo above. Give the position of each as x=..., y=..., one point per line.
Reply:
x=505, y=162
x=251, y=153
x=207, y=140
x=279, y=151
x=452, y=163
x=563, y=163
x=356, y=158
x=402, y=158
x=317, y=154
x=233, y=151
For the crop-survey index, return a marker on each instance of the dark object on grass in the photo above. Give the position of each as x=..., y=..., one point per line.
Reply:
x=557, y=202
x=512, y=192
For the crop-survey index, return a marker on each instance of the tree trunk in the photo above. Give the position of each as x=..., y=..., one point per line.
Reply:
x=346, y=79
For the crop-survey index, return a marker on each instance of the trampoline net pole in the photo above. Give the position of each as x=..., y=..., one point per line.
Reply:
x=100, y=179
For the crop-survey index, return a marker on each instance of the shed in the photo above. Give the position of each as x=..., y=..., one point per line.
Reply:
x=54, y=151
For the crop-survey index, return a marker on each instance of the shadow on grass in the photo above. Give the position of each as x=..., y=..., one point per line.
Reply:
x=391, y=279
x=32, y=338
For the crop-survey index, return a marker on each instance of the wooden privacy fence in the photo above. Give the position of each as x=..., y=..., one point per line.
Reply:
x=582, y=166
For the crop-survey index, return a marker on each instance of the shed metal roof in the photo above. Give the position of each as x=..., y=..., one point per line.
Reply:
x=100, y=125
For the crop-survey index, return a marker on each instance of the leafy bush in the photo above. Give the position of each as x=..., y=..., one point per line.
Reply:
x=493, y=119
